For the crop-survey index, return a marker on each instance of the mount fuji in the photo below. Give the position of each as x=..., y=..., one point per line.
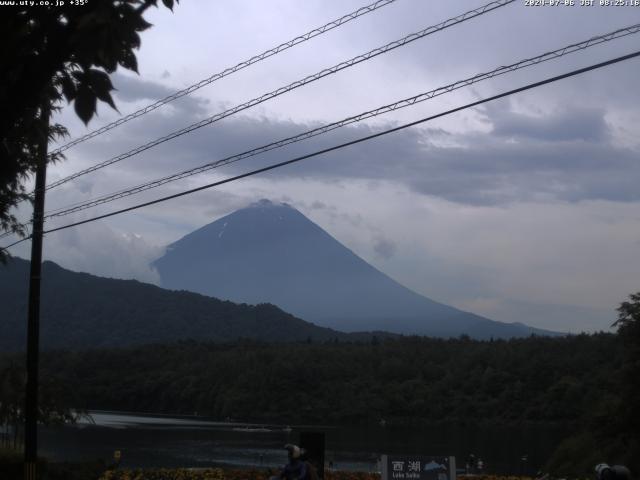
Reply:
x=272, y=253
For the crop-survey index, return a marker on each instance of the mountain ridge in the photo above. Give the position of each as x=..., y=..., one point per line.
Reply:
x=269, y=252
x=80, y=310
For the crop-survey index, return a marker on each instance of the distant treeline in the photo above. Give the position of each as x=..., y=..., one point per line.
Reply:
x=403, y=381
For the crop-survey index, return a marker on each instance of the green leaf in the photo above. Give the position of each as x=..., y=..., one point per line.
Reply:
x=142, y=24
x=85, y=104
x=129, y=61
x=106, y=60
x=68, y=88
x=101, y=85
x=133, y=20
x=106, y=98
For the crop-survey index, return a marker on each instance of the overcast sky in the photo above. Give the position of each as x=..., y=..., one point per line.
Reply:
x=524, y=209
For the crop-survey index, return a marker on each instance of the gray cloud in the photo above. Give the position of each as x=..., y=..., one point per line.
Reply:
x=556, y=148
x=545, y=315
x=316, y=205
x=132, y=89
x=102, y=251
x=384, y=248
x=566, y=156
x=576, y=123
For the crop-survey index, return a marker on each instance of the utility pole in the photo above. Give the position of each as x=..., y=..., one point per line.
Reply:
x=33, y=319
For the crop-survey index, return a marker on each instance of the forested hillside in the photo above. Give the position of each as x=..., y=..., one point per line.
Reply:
x=84, y=311
x=405, y=381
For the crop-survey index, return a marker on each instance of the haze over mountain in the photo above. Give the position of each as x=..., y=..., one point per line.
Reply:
x=272, y=253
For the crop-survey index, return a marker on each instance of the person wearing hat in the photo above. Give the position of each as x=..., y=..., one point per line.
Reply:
x=296, y=468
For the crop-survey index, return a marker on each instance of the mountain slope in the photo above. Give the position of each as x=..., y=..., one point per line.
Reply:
x=272, y=253
x=84, y=311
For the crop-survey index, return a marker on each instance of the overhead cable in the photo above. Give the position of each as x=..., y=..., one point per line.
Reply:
x=78, y=206
x=16, y=243
x=299, y=83
x=228, y=71
x=343, y=145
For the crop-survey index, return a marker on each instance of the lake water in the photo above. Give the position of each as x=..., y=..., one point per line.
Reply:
x=165, y=441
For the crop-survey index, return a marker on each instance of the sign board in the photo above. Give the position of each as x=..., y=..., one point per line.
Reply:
x=418, y=467
x=313, y=444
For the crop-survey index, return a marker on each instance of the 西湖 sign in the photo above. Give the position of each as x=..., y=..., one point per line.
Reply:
x=418, y=467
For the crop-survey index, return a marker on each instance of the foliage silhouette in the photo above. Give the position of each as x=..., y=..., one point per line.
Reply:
x=50, y=54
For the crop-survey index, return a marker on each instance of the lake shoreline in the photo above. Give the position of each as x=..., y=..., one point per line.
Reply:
x=153, y=441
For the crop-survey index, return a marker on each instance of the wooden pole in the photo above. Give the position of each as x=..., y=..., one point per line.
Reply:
x=33, y=319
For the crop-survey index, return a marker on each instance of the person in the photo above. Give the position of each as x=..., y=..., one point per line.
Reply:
x=297, y=468
x=471, y=464
x=615, y=472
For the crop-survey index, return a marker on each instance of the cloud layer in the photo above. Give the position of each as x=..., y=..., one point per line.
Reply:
x=525, y=209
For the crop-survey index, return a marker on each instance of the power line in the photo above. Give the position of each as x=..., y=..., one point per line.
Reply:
x=299, y=83
x=343, y=145
x=353, y=142
x=228, y=71
x=390, y=46
x=16, y=242
x=78, y=206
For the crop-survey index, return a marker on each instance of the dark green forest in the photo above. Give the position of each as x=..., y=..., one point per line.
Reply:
x=586, y=383
x=576, y=382
x=406, y=380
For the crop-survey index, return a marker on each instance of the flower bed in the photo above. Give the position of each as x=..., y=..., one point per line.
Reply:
x=220, y=474
x=165, y=474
